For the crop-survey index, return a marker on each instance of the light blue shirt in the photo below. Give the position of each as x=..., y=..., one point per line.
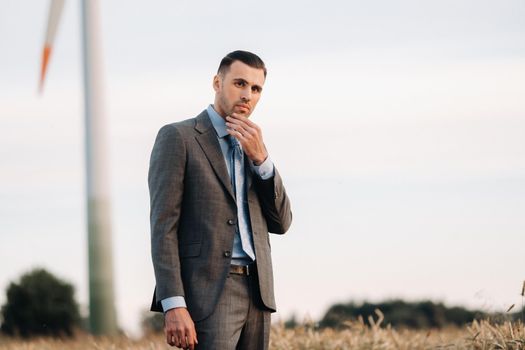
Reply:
x=264, y=171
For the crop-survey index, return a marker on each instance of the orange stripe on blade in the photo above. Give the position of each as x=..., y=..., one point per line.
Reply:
x=45, y=59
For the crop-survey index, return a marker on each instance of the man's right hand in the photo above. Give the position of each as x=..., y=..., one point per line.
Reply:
x=180, y=329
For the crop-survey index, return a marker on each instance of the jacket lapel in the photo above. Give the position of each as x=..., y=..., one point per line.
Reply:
x=207, y=139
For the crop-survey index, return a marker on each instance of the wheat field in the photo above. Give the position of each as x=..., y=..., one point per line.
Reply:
x=356, y=335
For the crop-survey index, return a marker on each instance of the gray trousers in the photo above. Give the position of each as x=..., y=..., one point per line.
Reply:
x=239, y=321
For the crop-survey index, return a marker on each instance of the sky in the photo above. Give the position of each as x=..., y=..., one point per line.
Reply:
x=397, y=127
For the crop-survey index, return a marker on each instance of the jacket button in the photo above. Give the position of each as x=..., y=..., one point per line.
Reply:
x=227, y=253
x=231, y=222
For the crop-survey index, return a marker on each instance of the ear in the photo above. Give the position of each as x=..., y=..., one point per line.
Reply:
x=216, y=83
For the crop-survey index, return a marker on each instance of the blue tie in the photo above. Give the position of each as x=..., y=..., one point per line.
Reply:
x=238, y=182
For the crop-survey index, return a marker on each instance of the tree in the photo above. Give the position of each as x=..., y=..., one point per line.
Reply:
x=40, y=304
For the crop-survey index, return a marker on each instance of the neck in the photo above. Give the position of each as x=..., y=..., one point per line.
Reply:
x=219, y=110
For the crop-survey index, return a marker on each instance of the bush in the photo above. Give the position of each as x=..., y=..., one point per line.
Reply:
x=152, y=322
x=40, y=304
x=398, y=313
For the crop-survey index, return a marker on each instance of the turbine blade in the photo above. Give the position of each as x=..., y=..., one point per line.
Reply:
x=52, y=24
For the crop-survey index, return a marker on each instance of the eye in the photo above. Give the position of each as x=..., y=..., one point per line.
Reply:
x=256, y=89
x=239, y=83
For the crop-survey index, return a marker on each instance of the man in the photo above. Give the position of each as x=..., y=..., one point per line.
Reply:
x=215, y=194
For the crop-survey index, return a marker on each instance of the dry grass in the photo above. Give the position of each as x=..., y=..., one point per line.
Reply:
x=479, y=335
x=357, y=335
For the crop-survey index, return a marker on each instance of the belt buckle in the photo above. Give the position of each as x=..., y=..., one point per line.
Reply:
x=245, y=270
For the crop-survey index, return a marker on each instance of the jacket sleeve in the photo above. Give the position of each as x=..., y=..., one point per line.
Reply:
x=166, y=181
x=275, y=203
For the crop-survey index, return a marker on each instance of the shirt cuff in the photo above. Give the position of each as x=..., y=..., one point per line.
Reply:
x=172, y=303
x=265, y=170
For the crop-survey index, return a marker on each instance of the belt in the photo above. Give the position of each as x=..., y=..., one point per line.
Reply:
x=245, y=270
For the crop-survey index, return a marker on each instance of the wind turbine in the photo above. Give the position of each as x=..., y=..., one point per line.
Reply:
x=102, y=313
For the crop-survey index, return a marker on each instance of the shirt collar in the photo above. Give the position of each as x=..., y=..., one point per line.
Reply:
x=219, y=124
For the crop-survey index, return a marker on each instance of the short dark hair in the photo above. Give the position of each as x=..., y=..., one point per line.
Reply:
x=245, y=57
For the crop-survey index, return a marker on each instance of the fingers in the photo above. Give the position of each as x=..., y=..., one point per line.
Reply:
x=238, y=135
x=244, y=119
x=184, y=339
x=249, y=135
x=240, y=119
x=192, y=340
x=242, y=127
x=189, y=340
x=170, y=339
x=180, y=329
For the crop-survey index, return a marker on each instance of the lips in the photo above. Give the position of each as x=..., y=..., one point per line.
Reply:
x=243, y=106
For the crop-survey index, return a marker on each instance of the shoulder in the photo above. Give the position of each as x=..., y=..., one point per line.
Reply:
x=180, y=129
x=188, y=127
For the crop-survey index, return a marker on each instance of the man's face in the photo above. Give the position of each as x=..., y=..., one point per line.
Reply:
x=238, y=90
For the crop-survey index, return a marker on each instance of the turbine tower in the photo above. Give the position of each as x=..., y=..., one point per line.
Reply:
x=102, y=313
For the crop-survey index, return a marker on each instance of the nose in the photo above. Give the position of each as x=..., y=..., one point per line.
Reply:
x=246, y=95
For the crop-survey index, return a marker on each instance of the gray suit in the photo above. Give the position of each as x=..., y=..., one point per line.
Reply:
x=193, y=217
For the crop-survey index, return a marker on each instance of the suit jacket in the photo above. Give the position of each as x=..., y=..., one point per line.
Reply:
x=194, y=214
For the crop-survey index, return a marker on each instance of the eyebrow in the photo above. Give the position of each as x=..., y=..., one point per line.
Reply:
x=244, y=81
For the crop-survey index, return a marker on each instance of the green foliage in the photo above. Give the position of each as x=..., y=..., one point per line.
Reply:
x=398, y=313
x=291, y=323
x=152, y=322
x=40, y=304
